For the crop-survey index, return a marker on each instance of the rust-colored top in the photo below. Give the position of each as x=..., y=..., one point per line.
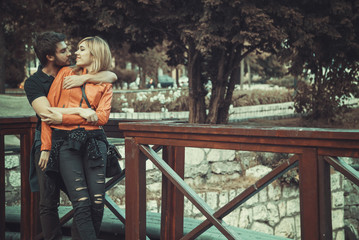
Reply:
x=99, y=96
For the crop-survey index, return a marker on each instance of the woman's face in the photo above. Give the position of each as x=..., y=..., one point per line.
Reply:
x=84, y=57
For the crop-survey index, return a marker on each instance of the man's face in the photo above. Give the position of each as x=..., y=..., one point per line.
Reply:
x=62, y=54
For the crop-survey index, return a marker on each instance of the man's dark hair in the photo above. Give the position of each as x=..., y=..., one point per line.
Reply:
x=45, y=44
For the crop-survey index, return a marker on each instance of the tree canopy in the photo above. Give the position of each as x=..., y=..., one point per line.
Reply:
x=211, y=37
x=322, y=45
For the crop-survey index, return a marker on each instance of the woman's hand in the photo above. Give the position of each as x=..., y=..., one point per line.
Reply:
x=89, y=114
x=73, y=81
x=44, y=159
x=54, y=117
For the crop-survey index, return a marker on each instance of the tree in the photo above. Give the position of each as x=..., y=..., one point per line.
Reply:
x=322, y=46
x=18, y=21
x=210, y=37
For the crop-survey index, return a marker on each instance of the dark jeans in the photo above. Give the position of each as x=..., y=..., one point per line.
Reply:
x=49, y=202
x=86, y=188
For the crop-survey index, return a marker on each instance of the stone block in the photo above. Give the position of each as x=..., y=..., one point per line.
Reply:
x=220, y=155
x=194, y=156
x=232, y=194
x=340, y=235
x=245, y=217
x=260, y=213
x=338, y=218
x=225, y=167
x=212, y=199
x=335, y=181
x=246, y=159
x=282, y=206
x=258, y=171
x=293, y=207
x=273, y=214
x=232, y=219
x=152, y=206
x=150, y=165
x=297, y=226
x=194, y=171
x=252, y=201
x=274, y=192
x=285, y=228
x=338, y=199
x=12, y=161
x=154, y=187
x=15, y=178
x=262, y=227
x=353, y=212
x=222, y=198
x=262, y=195
x=290, y=191
x=153, y=176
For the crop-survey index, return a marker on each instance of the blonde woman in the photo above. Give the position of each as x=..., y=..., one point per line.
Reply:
x=77, y=152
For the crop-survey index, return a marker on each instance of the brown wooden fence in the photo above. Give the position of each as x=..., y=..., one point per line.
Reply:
x=315, y=150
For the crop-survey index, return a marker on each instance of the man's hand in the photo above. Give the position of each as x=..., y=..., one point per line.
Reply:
x=73, y=81
x=90, y=115
x=44, y=158
x=54, y=117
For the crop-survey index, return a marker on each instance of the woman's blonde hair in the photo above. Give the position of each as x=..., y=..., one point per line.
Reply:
x=100, y=51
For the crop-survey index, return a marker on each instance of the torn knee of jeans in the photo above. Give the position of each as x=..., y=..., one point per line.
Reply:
x=98, y=198
x=82, y=199
x=78, y=179
x=101, y=181
x=100, y=174
x=80, y=188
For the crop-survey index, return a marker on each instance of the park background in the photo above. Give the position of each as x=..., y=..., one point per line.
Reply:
x=215, y=52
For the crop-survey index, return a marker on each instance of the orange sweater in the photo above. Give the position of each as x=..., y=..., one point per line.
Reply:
x=99, y=96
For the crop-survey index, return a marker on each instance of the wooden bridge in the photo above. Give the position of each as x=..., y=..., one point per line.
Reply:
x=315, y=150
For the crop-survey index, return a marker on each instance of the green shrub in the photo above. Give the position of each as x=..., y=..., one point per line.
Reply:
x=177, y=100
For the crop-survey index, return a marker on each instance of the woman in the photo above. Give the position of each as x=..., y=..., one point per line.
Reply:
x=78, y=151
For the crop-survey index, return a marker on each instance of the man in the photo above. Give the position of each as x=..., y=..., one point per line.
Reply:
x=53, y=53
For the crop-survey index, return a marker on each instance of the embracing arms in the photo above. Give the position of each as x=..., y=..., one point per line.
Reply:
x=79, y=80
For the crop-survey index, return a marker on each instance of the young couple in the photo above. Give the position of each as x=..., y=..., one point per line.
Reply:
x=69, y=151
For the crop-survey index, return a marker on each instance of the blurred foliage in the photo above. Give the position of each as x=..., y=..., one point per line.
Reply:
x=178, y=100
x=323, y=49
x=124, y=76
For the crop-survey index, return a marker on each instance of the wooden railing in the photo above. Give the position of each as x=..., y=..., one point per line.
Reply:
x=314, y=150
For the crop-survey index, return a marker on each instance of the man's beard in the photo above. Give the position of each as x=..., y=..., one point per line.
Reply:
x=60, y=64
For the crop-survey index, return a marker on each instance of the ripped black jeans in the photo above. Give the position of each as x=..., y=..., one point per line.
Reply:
x=86, y=188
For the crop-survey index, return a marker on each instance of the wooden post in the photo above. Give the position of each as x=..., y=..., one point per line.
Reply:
x=135, y=192
x=309, y=197
x=325, y=203
x=30, y=221
x=172, y=198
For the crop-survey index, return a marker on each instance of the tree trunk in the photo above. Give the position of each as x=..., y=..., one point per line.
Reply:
x=241, y=79
x=223, y=112
x=218, y=92
x=197, y=93
x=249, y=74
x=177, y=77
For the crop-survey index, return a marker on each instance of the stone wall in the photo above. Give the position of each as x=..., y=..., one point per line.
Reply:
x=220, y=175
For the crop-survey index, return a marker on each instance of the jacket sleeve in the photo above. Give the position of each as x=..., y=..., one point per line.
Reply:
x=104, y=108
x=53, y=97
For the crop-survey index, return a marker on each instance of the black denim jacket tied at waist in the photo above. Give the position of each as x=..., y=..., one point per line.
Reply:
x=78, y=139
